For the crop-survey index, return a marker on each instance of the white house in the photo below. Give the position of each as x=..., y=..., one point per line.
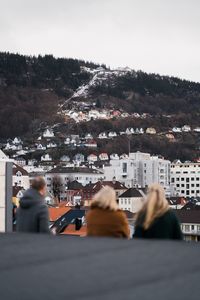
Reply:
x=114, y=156
x=130, y=131
x=65, y=158
x=197, y=129
x=150, y=130
x=46, y=157
x=132, y=200
x=48, y=133
x=88, y=136
x=176, y=129
x=17, y=141
x=20, y=177
x=92, y=158
x=103, y=156
x=91, y=143
x=20, y=161
x=186, y=128
x=112, y=134
x=51, y=145
x=40, y=147
x=103, y=135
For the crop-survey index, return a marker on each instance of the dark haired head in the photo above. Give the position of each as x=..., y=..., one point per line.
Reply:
x=38, y=183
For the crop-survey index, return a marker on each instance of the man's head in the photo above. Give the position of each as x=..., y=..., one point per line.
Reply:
x=39, y=185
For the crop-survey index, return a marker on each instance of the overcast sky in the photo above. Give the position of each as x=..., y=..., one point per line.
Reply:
x=160, y=36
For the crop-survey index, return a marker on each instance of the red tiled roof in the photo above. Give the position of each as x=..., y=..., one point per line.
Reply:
x=57, y=212
x=70, y=230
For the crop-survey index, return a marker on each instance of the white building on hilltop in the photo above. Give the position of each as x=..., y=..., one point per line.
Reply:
x=139, y=170
x=185, y=177
x=48, y=133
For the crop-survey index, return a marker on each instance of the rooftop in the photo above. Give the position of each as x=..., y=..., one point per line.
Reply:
x=66, y=170
x=65, y=267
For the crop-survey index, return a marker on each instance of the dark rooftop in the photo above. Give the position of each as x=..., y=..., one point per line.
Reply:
x=188, y=216
x=60, y=268
x=73, y=170
x=132, y=192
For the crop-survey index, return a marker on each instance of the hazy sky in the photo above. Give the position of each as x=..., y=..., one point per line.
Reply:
x=160, y=36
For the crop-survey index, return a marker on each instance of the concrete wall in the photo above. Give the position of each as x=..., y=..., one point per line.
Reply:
x=5, y=196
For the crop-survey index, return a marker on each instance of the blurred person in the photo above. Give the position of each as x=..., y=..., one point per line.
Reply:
x=32, y=214
x=156, y=220
x=104, y=217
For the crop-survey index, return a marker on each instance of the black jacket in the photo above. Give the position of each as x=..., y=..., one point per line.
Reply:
x=32, y=214
x=165, y=227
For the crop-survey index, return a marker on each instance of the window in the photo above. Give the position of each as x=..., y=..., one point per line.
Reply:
x=192, y=227
x=125, y=201
x=192, y=185
x=187, y=179
x=182, y=179
x=177, y=179
x=122, y=201
x=197, y=179
x=182, y=185
x=178, y=185
x=198, y=227
x=187, y=228
x=192, y=178
x=124, y=167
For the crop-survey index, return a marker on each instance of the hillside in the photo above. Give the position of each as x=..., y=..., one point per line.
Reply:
x=31, y=88
x=43, y=91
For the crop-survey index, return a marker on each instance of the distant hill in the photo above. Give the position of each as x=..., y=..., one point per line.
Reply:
x=31, y=88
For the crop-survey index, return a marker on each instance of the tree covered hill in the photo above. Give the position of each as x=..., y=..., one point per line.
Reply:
x=32, y=87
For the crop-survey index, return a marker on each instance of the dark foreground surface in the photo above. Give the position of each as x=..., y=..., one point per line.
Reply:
x=63, y=268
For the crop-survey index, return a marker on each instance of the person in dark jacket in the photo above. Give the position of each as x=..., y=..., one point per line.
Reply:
x=156, y=220
x=32, y=214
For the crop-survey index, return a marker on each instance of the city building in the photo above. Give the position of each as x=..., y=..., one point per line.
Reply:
x=132, y=200
x=20, y=177
x=67, y=174
x=139, y=170
x=185, y=178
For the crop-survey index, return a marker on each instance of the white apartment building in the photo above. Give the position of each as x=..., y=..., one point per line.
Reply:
x=67, y=174
x=185, y=177
x=139, y=170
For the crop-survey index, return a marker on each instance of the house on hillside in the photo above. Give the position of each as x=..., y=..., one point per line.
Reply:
x=52, y=145
x=92, y=158
x=130, y=131
x=103, y=135
x=79, y=157
x=91, y=143
x=114, y=156
x=186, y=128
x=46, y=157
x=197, y=129
x=150, y=130
x=20, y=161
x=176, y=129
x=20, y=177
x=132, y=200
x=40, y=147
x=112, y=134
x=48, y=133
x=103, y=156
x=65, y=158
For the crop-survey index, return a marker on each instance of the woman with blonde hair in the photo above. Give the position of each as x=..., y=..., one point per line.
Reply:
x=104, y=218
x=156, y=220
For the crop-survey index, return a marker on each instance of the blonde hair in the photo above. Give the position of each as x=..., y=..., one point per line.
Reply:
x=155, y=205
x=105, y=199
